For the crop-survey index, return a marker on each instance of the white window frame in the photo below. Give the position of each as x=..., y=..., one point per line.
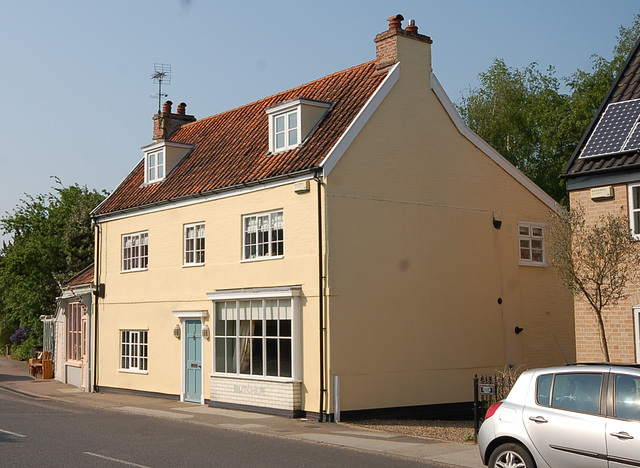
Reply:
x=263, y=294
x=74, y=332
x=155, y=166
x=194, y=247
x=257, y=248
x=636, y=334
x=290, y=131
x=135, y=257
x=529, y=239
x=635, y=227
x=134, y=351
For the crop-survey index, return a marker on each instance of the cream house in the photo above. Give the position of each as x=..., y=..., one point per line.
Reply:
x=603, y=176
x=344, y=246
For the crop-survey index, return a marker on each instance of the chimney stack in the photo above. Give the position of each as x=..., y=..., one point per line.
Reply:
x=387, y=41
x=166, y=123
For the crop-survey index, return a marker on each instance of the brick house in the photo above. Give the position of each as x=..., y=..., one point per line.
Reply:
x=603, y=176
x=347, y=245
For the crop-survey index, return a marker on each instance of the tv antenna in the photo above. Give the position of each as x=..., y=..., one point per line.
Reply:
x=161, y=75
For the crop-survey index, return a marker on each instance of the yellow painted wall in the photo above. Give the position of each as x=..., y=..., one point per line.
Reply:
x=147, y=299
x=416, y=267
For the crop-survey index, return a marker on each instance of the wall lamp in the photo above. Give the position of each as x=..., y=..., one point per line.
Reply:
x=205, y=332
x=176, y=331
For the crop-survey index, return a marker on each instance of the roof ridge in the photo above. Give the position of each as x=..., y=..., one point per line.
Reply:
x=285, y=91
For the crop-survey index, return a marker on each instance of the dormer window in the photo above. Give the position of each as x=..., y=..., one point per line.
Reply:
x=155, y=166
x=161, y=157
x=291, y=122
x=286, y=131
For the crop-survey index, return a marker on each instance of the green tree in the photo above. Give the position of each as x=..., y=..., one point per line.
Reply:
x=595, y=261
x=529, y=118
x=52, y=240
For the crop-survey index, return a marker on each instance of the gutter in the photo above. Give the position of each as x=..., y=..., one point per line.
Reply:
x=231, y=188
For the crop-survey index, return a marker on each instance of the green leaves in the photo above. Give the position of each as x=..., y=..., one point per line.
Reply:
x=52, y=240
x=536, y=120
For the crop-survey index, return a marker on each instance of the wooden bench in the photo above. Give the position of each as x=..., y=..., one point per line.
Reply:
x=43, y=365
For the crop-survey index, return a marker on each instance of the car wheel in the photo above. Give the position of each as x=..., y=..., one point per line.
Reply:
x=511, y=456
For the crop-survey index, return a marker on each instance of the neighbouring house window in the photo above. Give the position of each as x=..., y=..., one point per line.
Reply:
x=133, y=350
x=634, y=210
x=74, y=331
x=155, y=166
x=253, y=337
x=135, y=251
x=194, y=244
x=285, y=130
x=531, y=244
x=263, y=235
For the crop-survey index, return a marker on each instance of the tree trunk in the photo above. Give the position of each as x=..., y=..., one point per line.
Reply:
x=603, y=337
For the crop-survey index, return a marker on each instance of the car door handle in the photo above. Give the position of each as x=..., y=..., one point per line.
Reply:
x=538, y=419
x=622, y=435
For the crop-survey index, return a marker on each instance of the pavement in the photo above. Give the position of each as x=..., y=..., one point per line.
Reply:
x=14, y=376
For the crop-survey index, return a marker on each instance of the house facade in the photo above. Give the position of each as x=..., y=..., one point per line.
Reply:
x=73, y=331
x=344, y=246
x=603, y=176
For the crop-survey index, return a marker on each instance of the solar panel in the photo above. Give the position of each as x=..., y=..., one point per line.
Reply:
x=615, y=131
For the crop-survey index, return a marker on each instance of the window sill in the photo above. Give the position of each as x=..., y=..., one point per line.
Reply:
x=133, y=270
x=532, y=264
x=191, y=265
x=133, y=371
x=261, y=259
x=256, y=378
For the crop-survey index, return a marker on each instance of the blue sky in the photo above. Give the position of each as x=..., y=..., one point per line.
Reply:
x=76, y=75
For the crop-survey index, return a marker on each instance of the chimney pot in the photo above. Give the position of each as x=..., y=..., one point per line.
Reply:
x=395, y=22
x=412, y=28
x=182, y=108
x=166, y=107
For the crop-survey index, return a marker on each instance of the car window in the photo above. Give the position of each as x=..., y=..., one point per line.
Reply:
x=543, y=394
x=627, y=397
x=577, y=392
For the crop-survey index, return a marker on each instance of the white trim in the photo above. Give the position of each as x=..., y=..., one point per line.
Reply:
x=195, y=199
x=530, y=225
x=635, y=230
x=150, y=148
x=487, y=149
x=636, y=334
x=254, y=293
x=293, y=292
x=329, y=162
x=190, y=314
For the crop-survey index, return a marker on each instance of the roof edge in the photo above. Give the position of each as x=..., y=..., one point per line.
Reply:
x=634, y=51
x=487, y=149
x=333, y=157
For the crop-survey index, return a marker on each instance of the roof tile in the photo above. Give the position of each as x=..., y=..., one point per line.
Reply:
x=231, y=148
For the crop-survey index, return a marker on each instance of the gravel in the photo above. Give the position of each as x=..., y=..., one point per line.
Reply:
x=450, y=431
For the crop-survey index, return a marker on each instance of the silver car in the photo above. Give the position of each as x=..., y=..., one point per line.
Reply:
x=579, y=416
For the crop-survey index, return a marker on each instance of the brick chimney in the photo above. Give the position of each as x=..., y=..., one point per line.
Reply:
x=388, y=49
x=166, y=123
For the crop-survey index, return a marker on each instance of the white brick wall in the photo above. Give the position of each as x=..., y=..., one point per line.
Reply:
x=261, y=393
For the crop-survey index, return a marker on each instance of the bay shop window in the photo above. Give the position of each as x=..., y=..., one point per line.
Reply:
x=256, y=333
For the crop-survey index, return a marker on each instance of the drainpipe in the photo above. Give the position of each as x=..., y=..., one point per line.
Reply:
x=96, y=297
x=321, y=413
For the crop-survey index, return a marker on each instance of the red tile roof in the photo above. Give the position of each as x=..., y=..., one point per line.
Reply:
x=84, y=277
x=231, y=148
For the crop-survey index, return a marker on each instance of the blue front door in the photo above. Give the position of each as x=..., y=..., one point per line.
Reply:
x=193, y=361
